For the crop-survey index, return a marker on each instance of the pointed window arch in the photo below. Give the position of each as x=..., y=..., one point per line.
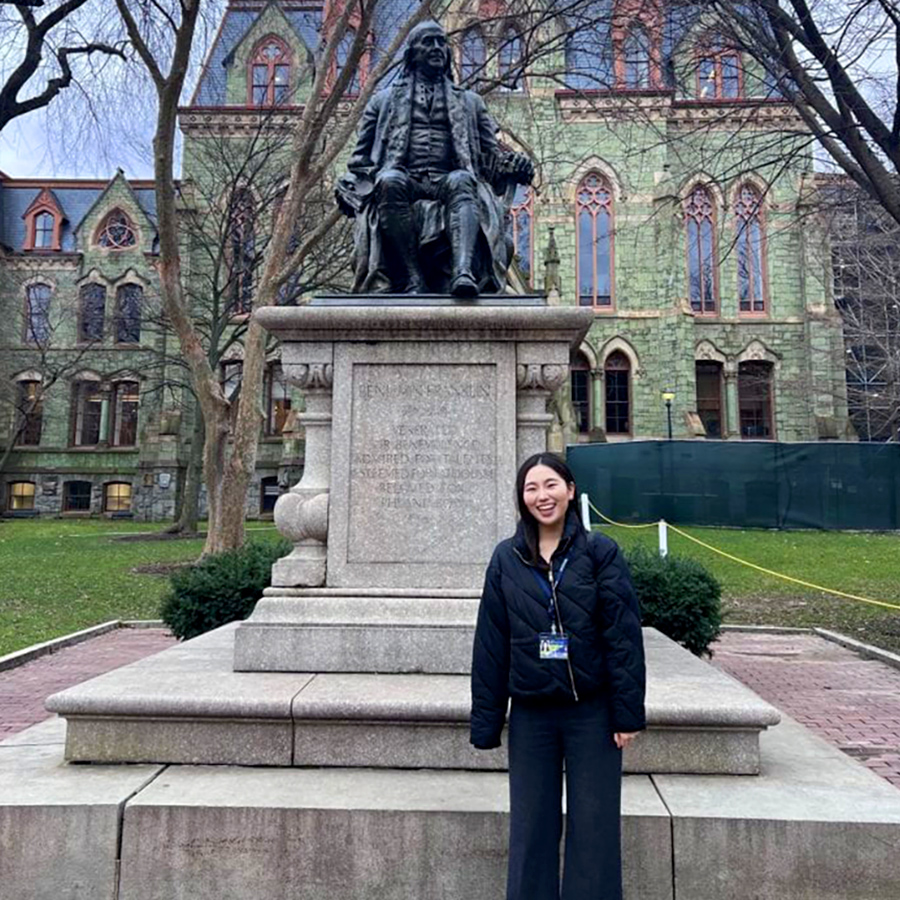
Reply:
x=269, y=79
x=129, y=303
x=91, y=312
x=38, y=328
x=751, y=250
x=636, y=58
x=700, y=225
x=617, y=376
x=472, y=54
x=594, y=222
x=116, y=231
x=509, y=59
x=521, y=228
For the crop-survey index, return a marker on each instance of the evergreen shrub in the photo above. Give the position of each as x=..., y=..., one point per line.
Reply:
x=221, y=588
x=678, y=596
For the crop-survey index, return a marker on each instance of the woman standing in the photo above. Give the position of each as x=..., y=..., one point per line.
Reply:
x=559, y=631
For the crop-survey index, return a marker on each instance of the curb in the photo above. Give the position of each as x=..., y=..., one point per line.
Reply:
x=865, y=650
x=35, y=651
x=767, y=629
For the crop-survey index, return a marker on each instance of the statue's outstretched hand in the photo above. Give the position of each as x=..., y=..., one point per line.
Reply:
x=521, y=168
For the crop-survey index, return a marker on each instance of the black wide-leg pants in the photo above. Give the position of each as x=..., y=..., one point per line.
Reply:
x=541, y=738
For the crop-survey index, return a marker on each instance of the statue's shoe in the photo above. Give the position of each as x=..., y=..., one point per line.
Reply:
x=464, y=285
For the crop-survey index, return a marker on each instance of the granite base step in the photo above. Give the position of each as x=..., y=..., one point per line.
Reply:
x=187, y=705
x=814, y=825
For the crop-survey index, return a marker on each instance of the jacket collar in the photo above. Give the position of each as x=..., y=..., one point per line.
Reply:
x=571, y=531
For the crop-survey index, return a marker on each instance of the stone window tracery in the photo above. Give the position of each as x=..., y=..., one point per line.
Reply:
x=270, y=73
x=750, y=250
x=117, y=231
x=700, y=221
x=594, y=221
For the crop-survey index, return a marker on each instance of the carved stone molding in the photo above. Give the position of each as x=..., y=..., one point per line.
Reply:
x=536, y=377
x=301, y=518
x=310, y=377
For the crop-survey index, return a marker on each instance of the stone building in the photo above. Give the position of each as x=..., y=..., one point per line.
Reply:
x=673, y=197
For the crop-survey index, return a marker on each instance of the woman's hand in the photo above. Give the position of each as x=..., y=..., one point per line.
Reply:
x=624, y=738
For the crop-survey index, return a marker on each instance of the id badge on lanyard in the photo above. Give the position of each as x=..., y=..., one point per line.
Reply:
x=552, y=644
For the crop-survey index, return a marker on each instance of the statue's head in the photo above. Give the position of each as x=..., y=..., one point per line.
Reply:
x=427, y=50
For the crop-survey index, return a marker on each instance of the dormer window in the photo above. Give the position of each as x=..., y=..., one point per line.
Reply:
x=43, y=231
x=636, y=58
x=43, y=222
x=116, y=232
x=270, y=73
x=719, y=72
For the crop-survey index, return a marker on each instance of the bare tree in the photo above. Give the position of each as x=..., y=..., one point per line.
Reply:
x=836, y=62
x=29, y=81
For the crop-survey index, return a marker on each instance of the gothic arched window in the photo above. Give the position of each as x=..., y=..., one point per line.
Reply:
x=521, y=223
x=270, y=73
x=594, y=218
x=509, y=59
x=117, y=231
x=617, y=377
x=242, y=251
x=580, y=390
x=129, y=300
x=37, y=314
x=750, y=250
x=636, y=58
x=91, y=312
x=472, y=54
x=700, y=222
x=755, y=389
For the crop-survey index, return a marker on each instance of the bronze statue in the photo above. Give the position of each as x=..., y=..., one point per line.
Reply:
x=428, y=183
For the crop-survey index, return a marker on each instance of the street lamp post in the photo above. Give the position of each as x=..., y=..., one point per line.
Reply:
x=669, y=396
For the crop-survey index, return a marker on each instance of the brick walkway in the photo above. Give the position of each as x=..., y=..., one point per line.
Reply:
x=852, y=702
x=24, y=689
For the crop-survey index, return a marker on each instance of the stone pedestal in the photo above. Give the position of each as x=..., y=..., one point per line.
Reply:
x=416, y=420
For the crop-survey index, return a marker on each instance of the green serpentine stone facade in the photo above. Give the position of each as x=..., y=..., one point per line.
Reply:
x=649, y=148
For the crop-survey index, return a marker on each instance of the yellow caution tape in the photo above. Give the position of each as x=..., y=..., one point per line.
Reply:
x=744, y=562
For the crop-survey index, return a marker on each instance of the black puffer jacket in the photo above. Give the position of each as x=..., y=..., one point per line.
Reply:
x=599, y=612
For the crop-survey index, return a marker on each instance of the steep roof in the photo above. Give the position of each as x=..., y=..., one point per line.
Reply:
x=75, y=198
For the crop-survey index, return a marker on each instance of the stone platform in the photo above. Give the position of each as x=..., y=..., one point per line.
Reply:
x=186, y=705
x=814, y=825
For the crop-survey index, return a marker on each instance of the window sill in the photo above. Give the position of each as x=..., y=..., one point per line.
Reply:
x=20, y=514
x=76, y=513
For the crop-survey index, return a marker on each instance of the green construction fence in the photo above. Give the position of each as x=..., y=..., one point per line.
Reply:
x=746, y=484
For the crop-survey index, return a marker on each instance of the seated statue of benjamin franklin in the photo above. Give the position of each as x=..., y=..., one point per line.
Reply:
x=428, y=184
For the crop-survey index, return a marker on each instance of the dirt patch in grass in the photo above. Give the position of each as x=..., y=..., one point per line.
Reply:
x=160, y=568
x=159, y=536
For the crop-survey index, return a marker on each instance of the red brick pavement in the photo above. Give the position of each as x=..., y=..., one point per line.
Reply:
x=24, y=689
x=852, y=702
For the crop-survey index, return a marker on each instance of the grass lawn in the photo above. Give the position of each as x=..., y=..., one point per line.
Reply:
x=858, y=563
x=59, y=576
x=62, y=575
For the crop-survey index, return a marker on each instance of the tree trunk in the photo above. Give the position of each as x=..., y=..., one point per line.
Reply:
x=189, y=513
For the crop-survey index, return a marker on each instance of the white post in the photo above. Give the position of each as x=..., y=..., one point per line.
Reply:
x=663, y=538
x=585, y=512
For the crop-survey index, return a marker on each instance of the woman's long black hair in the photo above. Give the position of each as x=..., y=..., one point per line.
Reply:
x=529, y=523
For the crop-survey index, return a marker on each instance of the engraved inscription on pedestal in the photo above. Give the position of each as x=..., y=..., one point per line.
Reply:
x=423, y=463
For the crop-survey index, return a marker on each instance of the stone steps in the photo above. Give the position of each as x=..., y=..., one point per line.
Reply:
x=187, y=705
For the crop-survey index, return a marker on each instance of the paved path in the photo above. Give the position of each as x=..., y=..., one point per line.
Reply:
x=24, y=689
x=854, y=703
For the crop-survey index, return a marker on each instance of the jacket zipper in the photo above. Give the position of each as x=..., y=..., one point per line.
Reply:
x=562, y=631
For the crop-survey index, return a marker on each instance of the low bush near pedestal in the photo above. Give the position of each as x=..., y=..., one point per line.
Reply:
x=220, y=589
x=678, y=596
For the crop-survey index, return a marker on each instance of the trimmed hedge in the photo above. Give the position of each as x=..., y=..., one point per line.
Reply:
x=678, y=596
x=220, y=588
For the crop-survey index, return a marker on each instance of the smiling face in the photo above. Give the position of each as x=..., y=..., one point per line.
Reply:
x=546, y=495
x=429, y=50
